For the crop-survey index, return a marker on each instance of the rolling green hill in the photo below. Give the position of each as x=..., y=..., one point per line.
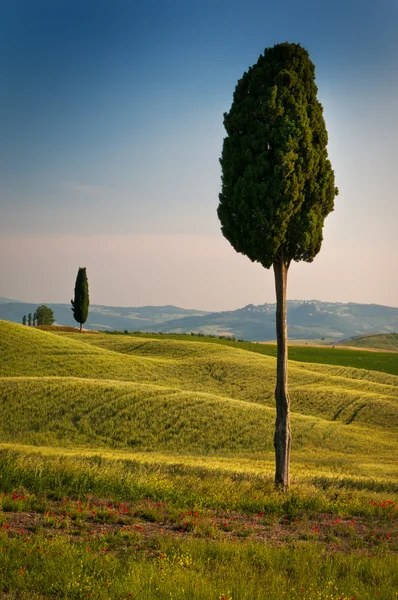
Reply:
x=169, y=395
x=134, y=466
x=383, y=341
x=385, y=362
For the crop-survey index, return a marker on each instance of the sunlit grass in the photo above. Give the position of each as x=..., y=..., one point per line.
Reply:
x=189, y=426
x=384, y=341
x=334, y=393
x=186, y=482
x=42, y=567
x=384, y=362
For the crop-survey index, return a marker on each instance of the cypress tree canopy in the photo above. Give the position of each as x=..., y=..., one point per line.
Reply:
x=80, y=303
x=277, y=182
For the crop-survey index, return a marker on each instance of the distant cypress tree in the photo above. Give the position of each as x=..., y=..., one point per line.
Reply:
x=81, y=301
x=34, y=319
x=24, y=320
x=30, y=319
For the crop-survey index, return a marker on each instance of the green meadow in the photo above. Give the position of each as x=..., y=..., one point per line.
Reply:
x=386, y=341
x=386, y=362
x=141, y=466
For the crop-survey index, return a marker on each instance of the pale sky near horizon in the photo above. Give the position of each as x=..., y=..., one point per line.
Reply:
x=111, y=118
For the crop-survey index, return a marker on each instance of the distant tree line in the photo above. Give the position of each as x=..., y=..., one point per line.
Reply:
x=43, y=315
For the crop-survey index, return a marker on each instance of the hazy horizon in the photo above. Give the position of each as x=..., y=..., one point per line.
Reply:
x=188, y=307
x=112, y=130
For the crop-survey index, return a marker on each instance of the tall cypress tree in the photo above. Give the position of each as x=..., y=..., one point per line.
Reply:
x=24, y=320
x=81, y=301
x=30, y=319
x=277, y=188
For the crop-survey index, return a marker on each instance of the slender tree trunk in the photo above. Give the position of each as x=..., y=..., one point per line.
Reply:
x=282, y=437
x=81, y=327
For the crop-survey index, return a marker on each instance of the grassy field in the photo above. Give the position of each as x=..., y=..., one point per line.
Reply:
x=382, y=342
x=142, y=467
x=385, y=362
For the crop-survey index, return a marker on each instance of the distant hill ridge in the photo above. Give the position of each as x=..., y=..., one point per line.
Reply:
x=307, y=319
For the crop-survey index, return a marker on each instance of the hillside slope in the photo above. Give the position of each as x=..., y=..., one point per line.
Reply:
x=306, y=319
x=381, y=342
x=167, y=395
x=101, y=317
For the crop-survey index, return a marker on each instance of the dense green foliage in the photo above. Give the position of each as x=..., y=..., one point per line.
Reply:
x=277, y=188
x=44, y=315
x=81, y=300
x=277, y=182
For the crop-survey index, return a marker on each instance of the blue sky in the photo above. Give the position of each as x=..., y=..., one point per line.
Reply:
x=111, y=121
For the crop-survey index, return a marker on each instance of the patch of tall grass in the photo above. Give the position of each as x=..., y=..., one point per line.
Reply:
x=40, y=567
x=221, y=485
